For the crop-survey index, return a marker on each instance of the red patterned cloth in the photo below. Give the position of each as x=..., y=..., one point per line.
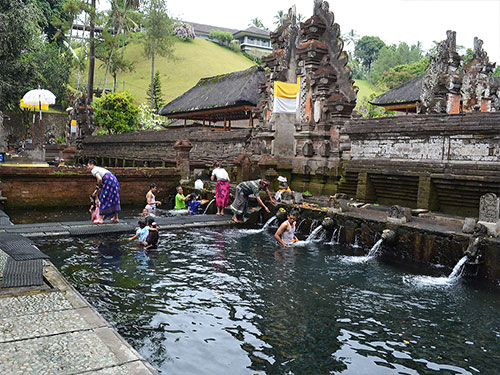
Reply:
x=222, y=193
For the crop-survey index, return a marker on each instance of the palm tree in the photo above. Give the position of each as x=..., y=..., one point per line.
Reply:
x=278, y=18
x=257, y=22
x=350, y=37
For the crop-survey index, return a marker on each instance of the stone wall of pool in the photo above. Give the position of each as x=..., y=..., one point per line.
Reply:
x=26, y=187
x=422, y=241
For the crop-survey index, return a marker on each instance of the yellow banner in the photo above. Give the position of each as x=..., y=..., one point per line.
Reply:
x=286, y=90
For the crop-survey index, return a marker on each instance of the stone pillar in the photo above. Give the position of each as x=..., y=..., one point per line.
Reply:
x=427, y=197
x=243, y=165
x=365, y=191
x=182, y=148
x=489, y=213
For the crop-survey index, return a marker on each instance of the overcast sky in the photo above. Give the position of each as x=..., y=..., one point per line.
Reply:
x=392, y=20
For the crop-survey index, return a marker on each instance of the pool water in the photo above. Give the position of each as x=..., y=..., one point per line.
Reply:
x=229, y=301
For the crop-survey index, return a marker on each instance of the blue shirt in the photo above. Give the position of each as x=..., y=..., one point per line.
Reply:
x=193, y=207
x=142, y=233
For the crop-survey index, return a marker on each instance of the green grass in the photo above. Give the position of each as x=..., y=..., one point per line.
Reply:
x=193, y=60
x=366, y=88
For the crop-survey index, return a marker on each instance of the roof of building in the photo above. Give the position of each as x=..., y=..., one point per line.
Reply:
x=202, y=28
x=207, y=28
x=211, y=95
x=254, y=30
x=408, y=92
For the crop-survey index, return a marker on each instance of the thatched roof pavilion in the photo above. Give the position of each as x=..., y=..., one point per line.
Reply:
x=225, y=97
x=403, y=97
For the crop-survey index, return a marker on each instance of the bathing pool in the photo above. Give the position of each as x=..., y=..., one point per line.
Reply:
x=229, y=301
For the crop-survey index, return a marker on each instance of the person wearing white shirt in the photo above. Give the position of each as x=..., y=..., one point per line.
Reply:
x=221, y=188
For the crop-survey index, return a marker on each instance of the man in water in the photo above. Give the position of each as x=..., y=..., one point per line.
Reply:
x=285, y=234
x=180, y=199
x=243, y=191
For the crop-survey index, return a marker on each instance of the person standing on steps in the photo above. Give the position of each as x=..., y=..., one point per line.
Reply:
x=243, y=191
x=221, y=188
x=109, y=197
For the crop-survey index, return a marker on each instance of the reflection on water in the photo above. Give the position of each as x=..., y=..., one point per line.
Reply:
x=224, y=301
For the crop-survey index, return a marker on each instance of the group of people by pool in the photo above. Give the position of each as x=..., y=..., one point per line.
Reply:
x=105, y=203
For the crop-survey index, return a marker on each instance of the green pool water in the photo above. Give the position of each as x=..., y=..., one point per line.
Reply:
x=228, y=301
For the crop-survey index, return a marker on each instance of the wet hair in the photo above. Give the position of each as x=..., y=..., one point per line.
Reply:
x=92, y=162
x=264, y=182
x=292, y=213
x=152, y=186
x=216, y=164
x=151, y=222
x=141, y=223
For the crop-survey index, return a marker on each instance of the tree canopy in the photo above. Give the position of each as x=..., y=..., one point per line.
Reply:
x=367, y=49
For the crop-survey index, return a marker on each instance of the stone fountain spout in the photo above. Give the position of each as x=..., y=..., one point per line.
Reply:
x=388, y=235
x=473, y=251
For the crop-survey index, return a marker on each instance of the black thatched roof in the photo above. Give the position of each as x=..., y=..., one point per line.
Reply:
x=408, y=92
x=219, y=92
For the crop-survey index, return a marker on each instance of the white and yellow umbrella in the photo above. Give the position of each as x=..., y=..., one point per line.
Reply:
x=38, y=99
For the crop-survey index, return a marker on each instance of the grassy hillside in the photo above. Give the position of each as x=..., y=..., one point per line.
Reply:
x=366, y=89
x=193, y=60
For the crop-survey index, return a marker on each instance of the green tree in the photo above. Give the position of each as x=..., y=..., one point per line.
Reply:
x=19, y=30
x=57, y=17
x=224, y=38
x=496, y=72
x=394, y=55
x=403, y=73
x=277, y=18
x=52, y=67
x=116, y=112
x=367, y=49
x=158, y=38
x=257, y=22
x=350, y=38
x=121, y=21
x=368, y=110
x=158, y=100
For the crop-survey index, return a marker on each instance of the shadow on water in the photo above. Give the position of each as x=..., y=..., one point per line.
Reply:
x=226, y=301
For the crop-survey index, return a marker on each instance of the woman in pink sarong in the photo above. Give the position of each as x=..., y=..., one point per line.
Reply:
x=222, y=187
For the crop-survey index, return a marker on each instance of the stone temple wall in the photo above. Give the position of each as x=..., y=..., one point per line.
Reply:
x=155, y=148
x=437, y=162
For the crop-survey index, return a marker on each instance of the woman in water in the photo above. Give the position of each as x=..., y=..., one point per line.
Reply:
x=109, y=198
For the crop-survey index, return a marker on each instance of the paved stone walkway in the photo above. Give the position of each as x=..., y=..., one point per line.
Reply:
x=53, y=330
x=79, y=228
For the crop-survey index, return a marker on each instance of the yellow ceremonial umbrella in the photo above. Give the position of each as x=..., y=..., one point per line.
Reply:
x=38, y=99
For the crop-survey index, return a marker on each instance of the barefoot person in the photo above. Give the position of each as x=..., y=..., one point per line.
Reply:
x=243, y=191
x=151, y=199
x=221, y=188
x=109, y=197
x=285, y=234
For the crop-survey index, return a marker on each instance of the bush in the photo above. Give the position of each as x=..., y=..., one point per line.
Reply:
x=148, y=120
x=224, y=38
x=116, y=112
x=183, y=31
x=235, y=46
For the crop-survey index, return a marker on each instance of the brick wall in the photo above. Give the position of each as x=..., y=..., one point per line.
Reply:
x=51, y=187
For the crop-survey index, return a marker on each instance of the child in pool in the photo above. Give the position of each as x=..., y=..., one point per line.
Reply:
x=94, y=206
x=141, y=233
x=153, y=235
